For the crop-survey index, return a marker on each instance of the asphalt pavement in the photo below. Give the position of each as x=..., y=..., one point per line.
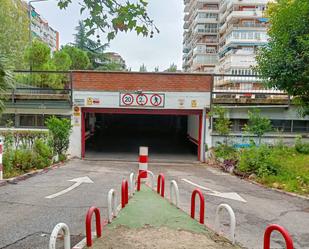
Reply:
x=27, y=217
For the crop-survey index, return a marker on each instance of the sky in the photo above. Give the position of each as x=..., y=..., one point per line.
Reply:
x=162, y=50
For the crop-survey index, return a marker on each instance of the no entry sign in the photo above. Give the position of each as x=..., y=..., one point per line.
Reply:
x=155, y=100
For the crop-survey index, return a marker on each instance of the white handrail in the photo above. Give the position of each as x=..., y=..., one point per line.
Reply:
x=111, y=205
x=174, y=190
x=54, y=236
x=232, y=220
x=132, y=184
x=152, y=180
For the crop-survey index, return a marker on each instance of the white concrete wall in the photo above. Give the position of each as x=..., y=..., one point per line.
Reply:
x=173, y=100
x=193, y=126
x=75, y=147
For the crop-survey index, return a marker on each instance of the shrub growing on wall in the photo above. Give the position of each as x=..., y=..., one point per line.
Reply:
x=60, y=130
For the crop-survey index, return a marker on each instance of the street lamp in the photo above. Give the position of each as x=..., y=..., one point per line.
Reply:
x=29, y=15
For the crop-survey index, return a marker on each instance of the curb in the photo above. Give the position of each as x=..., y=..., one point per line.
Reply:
x=261, y=185
x=276, y=190
x=25, y=176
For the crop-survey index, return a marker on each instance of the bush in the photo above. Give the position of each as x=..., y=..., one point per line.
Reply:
x=43, y=154
x=259, y=160
x=60, y=130
x=23, y=160
x=301, y=146
x=226, y=152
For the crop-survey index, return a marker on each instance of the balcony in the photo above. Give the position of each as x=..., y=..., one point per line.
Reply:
x=205, y=31
x=249, y=14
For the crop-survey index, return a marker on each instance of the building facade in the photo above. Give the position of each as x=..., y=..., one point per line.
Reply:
x=41, y=30
x=222, y=36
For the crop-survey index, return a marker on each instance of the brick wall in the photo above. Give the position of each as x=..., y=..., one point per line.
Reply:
x=132, y=81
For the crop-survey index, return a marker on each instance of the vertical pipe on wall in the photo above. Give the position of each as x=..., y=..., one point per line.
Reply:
x=83, y=132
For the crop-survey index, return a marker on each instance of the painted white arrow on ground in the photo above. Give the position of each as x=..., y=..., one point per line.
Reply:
x=78, y=181
x=229, y=195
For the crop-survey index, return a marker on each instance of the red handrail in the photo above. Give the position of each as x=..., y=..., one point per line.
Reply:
x=283, y=231
x=160, y=179
x=140, y=175
x=88, y=224
x=124, y=193
x=202, y=204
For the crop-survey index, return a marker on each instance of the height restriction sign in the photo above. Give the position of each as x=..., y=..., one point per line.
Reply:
x=155, y=100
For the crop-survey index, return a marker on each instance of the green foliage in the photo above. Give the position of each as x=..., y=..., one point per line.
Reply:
x=143, y=68
x=79, y=58
x=112, y=16
x=43, y=154
x=60, y=130
x=257, y=124
x=283, y=62
x=6, y=80
x=14, y=34
x=62, y=60
x=259, y=160
x=222, y=124
x=17, y=139
x=172, y=68
x=301, y=146
x=37, y=55
x=226, y=152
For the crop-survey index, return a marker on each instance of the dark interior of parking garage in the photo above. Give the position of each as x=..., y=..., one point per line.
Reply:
x=119, y=136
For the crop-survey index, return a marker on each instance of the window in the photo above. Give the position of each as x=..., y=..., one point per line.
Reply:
x=301, y=126
x=281, y=125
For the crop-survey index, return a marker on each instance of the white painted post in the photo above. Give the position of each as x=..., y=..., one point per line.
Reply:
x=152, y=179
x=111, y=205
x=143, y=161
x=132, y=184
x=1, y=153
x=232, y=220
x=54, y=235
x=174, y=190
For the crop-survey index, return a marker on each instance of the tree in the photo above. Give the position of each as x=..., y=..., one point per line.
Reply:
x=6, y=80
x=257, y=124
x=60, y=130
x=113, y=16
x=37, y=55
x=156, y=69
x=94, y=49
x=62, y=60
x=14, y=32
x=143, y=68
x=222, y=123
x=172, y=68
x=79, y=58
x=283, y=62
x=110, y=66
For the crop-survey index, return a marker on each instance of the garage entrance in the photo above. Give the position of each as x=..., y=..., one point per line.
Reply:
x=118, y=133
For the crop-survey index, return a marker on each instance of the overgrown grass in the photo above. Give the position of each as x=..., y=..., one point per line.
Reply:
x=278, y=166
x=293, y=175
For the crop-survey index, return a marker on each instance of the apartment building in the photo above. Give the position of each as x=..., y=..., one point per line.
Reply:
x=201, y=36
x=222, y=36
x=40, y=29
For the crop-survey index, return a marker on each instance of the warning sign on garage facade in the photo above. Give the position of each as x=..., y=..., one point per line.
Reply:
x=142, y=99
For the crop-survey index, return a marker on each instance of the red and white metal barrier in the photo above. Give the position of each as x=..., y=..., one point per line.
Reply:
x=285, y=234
x=160, y=184
x=132, y=184
x=143, y=161
x=1, y=153
x=232, y=220
x=54, y=236
x=111, y=205
x=174, y=190
x=124, y=193
x=88, y=224
x=202, y=204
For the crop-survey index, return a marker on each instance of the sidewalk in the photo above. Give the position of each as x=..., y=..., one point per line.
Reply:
x=149, y=221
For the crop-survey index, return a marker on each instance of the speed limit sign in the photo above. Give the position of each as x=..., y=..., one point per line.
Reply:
x=127, y=99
